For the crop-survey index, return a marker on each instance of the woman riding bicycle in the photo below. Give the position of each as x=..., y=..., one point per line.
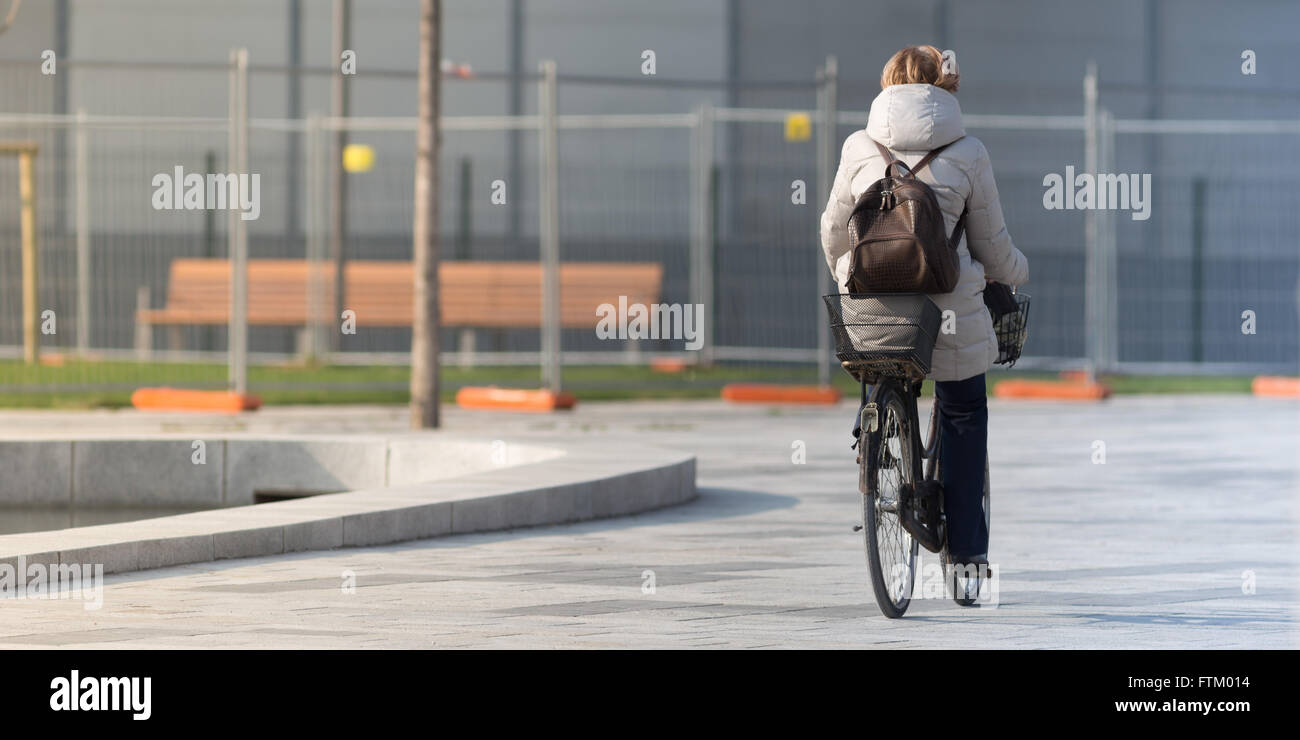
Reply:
x=915, y=113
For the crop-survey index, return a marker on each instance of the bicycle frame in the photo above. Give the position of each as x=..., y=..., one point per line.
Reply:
x=930, y=451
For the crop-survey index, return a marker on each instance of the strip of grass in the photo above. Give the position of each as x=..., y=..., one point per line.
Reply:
x=77, y=384
x=82, y=384
x=1178, y=384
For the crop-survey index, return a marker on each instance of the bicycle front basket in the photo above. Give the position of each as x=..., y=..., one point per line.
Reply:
x=885, y=330
x=1011, y=329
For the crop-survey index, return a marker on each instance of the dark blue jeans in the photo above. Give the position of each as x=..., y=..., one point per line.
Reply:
x=964, y=421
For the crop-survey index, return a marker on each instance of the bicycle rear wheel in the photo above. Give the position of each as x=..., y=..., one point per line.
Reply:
x=890, y=463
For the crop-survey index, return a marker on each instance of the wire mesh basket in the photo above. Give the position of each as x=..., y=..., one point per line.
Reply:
x=1011, y=329
x=885, y=334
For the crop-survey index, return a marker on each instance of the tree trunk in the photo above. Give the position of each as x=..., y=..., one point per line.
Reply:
x=424, y=332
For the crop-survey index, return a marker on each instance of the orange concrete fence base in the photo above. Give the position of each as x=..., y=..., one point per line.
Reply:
x=513, y=399
x=1276, y=386
x=1073, y=386
x=181, y=399
x=668, y=365
x=760, y=393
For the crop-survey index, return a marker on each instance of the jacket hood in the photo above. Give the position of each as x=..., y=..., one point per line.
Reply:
x=915, y=117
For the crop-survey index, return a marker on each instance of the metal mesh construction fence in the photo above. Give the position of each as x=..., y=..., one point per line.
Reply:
x=724, y=201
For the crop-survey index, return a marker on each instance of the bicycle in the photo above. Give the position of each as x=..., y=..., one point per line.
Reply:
x=885, y=342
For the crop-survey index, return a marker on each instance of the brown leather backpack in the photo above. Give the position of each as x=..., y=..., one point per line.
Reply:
x=898, y=236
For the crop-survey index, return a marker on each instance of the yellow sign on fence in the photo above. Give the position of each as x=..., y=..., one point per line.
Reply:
x=798, y=127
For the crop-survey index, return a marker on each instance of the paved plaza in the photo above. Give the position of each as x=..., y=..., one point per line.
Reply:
x=1185, y=536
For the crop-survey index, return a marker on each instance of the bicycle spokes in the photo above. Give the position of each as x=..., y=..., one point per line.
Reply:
x=894, y=544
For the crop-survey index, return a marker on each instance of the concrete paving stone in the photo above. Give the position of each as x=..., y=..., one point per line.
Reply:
x=76, y=637
x=248, y=543
x=524, y=509
x=163, y=552
x=295, y=466
x=47, y=559
x=391, y=525
x=108, y=473
x=114, y=558
x=35, y=473
x=321, y=534
x=412, y=459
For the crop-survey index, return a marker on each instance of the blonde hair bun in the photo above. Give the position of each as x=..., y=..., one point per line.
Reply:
x=922, y=64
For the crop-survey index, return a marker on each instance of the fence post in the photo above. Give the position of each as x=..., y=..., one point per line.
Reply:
x=31, y=253
x=464, y=240
x=340, y=104
x=237, y=333
x=143, y=331
x=1199, y=217
x=1091, y=253
x=701, y=262
x=317, y=343
x=548, y=195
x=81, y=160
x=1108, y=277
x=827, y=152
x=207, y=334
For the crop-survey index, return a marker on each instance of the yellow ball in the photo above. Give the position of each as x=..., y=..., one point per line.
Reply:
x=358, y=158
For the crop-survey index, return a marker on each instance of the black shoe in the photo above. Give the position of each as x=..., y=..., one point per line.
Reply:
x=965, y=590
x=981, y=559
x=965, y=563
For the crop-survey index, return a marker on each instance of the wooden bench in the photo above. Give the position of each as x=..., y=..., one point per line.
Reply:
x=381, y=293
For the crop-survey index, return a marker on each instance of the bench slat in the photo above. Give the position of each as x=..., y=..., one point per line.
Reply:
x=481, y=294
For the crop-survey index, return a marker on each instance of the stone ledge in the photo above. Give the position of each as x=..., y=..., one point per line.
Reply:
x=575, y=483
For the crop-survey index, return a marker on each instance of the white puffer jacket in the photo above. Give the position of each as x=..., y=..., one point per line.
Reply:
x=910, y=120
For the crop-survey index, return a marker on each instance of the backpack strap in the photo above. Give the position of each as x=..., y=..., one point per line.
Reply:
x=929, y=157
x=957, y=230
x=955, y=240
x=914, y=169
x=888, y=155
x=891, y=160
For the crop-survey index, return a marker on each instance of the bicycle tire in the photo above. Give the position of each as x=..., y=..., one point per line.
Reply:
x=890, y=459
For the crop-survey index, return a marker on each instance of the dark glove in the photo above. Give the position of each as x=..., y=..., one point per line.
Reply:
x=1000, y=300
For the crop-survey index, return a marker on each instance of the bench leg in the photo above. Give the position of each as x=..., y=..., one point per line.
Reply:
x=302, y=344
x=632, y=352
x=466, y=347
x=143, y=330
